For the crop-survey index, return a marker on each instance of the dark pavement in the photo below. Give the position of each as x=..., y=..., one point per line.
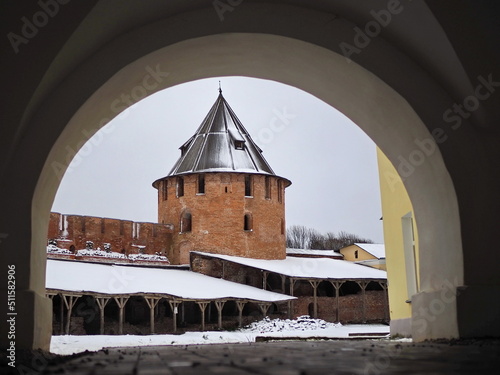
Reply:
x=289, y=358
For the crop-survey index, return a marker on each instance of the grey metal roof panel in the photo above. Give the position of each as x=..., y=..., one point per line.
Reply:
x=221, y=143
x=215, y=154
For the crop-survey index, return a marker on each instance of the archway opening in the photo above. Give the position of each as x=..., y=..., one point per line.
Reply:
x=326, y=84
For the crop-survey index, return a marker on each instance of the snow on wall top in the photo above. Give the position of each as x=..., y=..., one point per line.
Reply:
x=375, y=249
x=77, y=276
x=328, y=253
x=311, y=268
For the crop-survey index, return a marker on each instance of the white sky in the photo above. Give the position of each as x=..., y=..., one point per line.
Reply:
x=330, y=161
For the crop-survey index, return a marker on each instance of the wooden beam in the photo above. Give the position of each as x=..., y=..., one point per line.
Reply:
x=386, y=301
x=337, y=285
x=121, y=301
x=219, y=305
x=264, y=279
x=240, y=305
x=69, y=301
x=102, y=302
x=292, y=304
x=61, y=312
x=264, y=307
x=314, y=284
x=203, y=306
x=292, y=285
x=174, y=306
x=363, y=285
x=283, y=283
x=152, y=302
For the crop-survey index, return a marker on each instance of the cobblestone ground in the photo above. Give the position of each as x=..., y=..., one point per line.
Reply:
x=290, y=358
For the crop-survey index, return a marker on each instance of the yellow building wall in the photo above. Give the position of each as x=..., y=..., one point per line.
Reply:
x=348, y=253
x=396, y=204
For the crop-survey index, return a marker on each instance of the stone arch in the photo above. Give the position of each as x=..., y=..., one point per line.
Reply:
x=186, y=221
x=333, y=79
x=247, y=221
x=370, y=93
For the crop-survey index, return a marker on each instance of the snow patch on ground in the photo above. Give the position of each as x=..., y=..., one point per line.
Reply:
x=302, y=323
x=304, y=327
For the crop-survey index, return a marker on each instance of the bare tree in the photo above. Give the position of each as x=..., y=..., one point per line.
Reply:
x=301, y=237
x=298, y=237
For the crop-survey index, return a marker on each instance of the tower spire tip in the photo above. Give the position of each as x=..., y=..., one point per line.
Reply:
x=220, y=89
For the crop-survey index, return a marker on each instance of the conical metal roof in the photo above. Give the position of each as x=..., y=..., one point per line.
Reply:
x=221, y=144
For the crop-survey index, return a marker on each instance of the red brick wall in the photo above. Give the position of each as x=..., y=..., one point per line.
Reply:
x=226, y=270
x=218, y=216
x=76, y=230
x=350, y=307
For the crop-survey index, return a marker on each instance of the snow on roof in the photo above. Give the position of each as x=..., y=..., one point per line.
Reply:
x=375, y=249
x=327, y=253
x=311, y=268
x=77, y=276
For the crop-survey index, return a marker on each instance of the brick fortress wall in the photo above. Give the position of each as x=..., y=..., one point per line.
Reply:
x=217, y=224
x=123, y=236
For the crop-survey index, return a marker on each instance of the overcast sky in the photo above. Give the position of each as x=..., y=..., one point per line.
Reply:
x=330, y=161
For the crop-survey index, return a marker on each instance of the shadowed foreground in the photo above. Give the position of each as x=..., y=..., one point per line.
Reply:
x=301, y=358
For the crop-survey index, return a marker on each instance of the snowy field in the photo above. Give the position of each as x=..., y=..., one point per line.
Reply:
x=301, y=327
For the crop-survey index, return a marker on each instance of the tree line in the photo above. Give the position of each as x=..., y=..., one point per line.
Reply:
x=301, y=237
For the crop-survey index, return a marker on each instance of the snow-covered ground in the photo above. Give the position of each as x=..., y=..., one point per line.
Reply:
x=303, y=327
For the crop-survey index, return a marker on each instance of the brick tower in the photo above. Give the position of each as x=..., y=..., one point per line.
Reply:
x=221, y=195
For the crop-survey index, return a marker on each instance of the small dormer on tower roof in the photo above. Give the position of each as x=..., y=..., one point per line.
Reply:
x=221, y=144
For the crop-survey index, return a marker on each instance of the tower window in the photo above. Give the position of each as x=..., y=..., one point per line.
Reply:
x=248, y=186
x=355, y=254
x=186, y=222
x=164, y=190
x=180, y=187
x=282, y=226
x=268, y=187
x=239, y=145
x=280, y=191
x=247, y=222
x=201, y=184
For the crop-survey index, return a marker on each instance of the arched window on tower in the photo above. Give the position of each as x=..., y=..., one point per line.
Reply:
x=268, y=187
x=280, y=191
x=282, y=226
x=164, y=190
x=247, y=222
x=201, y=184
x=180, y=187
x=186, y=222
x=248, y=185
